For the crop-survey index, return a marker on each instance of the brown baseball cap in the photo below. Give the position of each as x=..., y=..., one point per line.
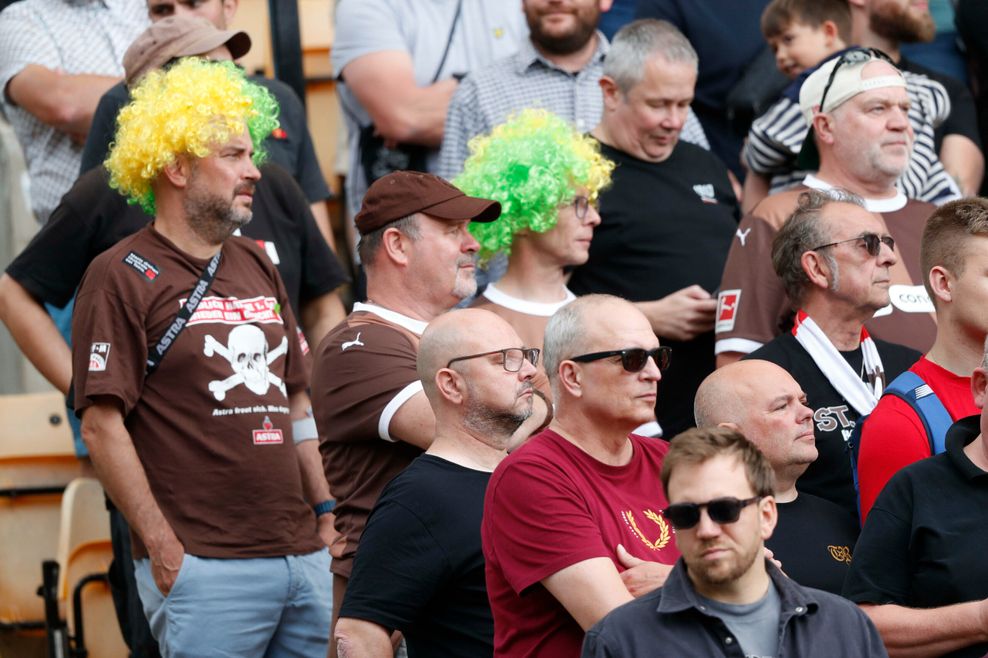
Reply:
x=403, y=193
x=178, y=36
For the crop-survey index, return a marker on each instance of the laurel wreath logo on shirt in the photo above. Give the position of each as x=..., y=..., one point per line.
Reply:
x=664, y=531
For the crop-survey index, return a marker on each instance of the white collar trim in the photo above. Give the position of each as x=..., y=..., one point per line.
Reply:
x=541, y=309
x=413, y=325
x=898, y=202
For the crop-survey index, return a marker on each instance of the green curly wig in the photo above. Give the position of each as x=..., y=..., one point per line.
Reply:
x=190, y=108
x=533, y=163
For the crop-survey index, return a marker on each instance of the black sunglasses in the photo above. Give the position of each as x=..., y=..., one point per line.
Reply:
x=511, y=357
x=684, y=516
x=633, y=359
x=852, y=56
x=872, y=241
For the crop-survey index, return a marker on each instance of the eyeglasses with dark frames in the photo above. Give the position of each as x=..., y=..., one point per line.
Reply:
x=872, y=242
x=852, y=56
x=581, y=205
x=684, y=516
x=512, y=358
x=633, y=359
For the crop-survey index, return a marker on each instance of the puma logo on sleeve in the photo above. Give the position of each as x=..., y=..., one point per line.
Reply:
x=350, y=343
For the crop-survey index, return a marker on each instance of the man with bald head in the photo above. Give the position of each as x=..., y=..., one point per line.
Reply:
x=860, y=140
x=814, y=537
x=836, y=261
x=571, y=524
x=420, y=568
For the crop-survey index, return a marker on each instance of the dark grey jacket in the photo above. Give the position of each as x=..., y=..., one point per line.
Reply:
x=671, y=621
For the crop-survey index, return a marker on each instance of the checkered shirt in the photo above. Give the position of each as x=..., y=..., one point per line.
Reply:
x=74, y=37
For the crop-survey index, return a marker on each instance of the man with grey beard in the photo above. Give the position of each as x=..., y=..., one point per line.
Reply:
x=420, y=567
x=885, y=24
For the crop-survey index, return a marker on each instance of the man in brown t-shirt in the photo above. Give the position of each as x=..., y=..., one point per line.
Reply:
x=190, y=382
x=860, y=141
x=372, y=415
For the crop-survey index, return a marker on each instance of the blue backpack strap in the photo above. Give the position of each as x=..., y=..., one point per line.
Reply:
x=911, y=389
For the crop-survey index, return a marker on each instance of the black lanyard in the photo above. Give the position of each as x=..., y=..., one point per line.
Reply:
x=157, y=353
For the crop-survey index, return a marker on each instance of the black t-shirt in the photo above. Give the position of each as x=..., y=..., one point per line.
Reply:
x=834, y=418
x=290, y=146
x=664, y=226
x=92, y=217
x=923, y=544
x=813, y=540
x=420, y=566
x=963, y=118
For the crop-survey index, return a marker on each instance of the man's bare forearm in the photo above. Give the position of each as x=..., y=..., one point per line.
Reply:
x=35, y=333
x=356, y=638
x=914, y=632
x=63, y=101
x=122, y=474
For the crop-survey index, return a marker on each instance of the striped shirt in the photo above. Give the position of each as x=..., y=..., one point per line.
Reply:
x=776, y=137
x=74, y=37
x=488, y=96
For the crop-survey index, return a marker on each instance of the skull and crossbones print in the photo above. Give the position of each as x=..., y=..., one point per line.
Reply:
x=248, y=354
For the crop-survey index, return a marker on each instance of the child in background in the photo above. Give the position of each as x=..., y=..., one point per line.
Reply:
x=803, y=34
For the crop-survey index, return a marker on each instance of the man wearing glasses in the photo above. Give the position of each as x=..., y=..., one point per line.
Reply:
x=372, y=415
x=835, y=260
x=571, y=525
x=420, y=568
x=547, y=176
x=861, y=138
x=723, y=598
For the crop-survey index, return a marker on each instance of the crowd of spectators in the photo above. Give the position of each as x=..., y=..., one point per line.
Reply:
x=720, y=390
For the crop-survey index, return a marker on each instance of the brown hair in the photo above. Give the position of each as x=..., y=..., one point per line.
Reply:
x=780, y=14
x=944, y=235
x=697, y=446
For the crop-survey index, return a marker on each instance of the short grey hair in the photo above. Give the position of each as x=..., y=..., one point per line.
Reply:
x=370, y=243
x=802, y=232
x=566, y=334
x=639, y=40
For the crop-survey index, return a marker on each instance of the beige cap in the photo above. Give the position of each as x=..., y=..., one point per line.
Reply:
x=846, y=84
x=178, y=36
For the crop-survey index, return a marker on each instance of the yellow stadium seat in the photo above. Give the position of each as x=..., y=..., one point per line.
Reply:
x=37, y=461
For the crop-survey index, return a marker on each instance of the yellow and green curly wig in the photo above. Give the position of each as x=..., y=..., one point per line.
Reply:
x=190, y=108
x=533, y=163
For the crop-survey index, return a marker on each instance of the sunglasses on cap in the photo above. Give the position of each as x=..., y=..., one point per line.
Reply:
x=872, y=242
x=633, y=359
x=852, y=56
x=684, y=516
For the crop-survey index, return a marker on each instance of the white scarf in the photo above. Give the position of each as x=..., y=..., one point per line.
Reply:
x=863, y=396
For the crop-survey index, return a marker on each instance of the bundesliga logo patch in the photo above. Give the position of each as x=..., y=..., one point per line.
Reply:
x=268, y=436
x=727, y=309
x=98, y=354
x=148, y=269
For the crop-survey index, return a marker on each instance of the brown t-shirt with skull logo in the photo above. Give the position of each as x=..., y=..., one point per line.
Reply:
x=211, y=425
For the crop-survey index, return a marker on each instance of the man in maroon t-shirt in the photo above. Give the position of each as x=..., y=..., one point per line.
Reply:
x=571, y=525
x=189, y=378
x=954, y=255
